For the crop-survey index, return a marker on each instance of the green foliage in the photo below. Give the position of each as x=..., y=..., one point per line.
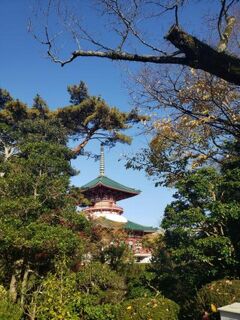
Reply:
x=13, y=112
x=158, y=308
x=93, y=117
x=201, y=241
x=92, y=293
x=10, y=311
x=102, y=312
x=3, y=292
x=100, y=283
x=101, y=291
x=57, y=297
x=116, y=255
x=40, y=105
x=215, y=295
x=138, y=280
x=78, y=93
x=87, y=118
x=199, y=223
x=35, y=209
x=5, y=97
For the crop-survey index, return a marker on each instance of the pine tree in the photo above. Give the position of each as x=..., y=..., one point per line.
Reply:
x=5, y=97
x=78, y=93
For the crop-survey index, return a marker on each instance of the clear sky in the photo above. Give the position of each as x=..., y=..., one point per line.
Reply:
x=25, y=71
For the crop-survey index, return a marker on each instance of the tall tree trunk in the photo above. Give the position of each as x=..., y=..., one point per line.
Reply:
x=24, y=286
x=13, y=288
x=17, y=267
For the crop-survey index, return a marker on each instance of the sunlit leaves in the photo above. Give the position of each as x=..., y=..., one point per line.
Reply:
x=194, y=117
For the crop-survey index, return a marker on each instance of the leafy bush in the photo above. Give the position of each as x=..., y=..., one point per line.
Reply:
x=104, y=285
x=9, y=311
x=158, y=308
x=100, y=312
x=57, y=298
x=215, y=295
x=93, y=293
x=3, y=292
x=138, y=279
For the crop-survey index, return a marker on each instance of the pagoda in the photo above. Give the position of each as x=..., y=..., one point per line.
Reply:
x=103, y=194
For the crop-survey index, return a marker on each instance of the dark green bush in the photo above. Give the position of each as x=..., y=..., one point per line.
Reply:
x=158, y=308
x=138, y=277
x=215, y=295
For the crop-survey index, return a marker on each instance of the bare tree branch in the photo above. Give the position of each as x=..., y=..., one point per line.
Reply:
x=191, y=51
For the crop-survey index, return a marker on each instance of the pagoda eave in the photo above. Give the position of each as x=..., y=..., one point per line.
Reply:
x=100, y=188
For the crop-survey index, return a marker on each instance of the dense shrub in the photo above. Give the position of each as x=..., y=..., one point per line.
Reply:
x=215, y=295
x=158, y=308
x=138, y=277
x=104, y=285
x=93, y=293
x=9, y=311
x=100, y=312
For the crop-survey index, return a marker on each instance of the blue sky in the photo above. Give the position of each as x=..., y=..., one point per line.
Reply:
x=25, y=71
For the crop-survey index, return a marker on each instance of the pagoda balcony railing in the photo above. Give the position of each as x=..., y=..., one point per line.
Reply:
x=106, y=208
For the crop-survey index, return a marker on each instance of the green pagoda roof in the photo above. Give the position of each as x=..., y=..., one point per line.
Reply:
x=110, y=184
x=138, y=227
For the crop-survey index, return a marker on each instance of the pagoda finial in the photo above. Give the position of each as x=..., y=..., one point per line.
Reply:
x=102, y=167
